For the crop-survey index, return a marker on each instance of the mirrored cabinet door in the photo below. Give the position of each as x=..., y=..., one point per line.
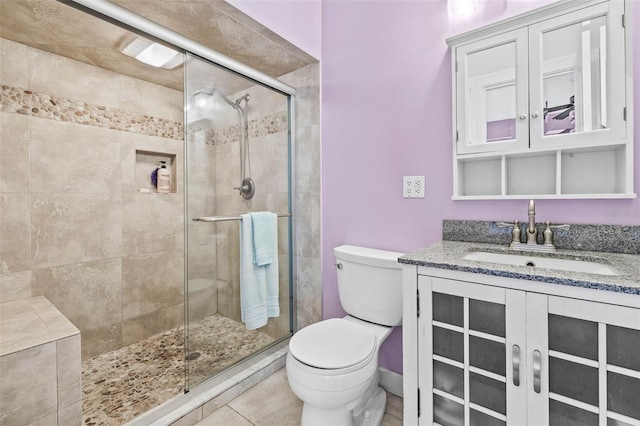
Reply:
x=492, y=98
x=574, y=100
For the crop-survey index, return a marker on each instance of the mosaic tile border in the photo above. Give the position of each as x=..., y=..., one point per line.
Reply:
x=36, y=104
x=27, y=102
x=267, y=125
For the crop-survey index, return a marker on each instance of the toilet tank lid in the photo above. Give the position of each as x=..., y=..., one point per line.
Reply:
x=368, y=256
x=332, y=344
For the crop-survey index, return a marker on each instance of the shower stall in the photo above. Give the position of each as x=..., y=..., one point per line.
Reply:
x=151, y=280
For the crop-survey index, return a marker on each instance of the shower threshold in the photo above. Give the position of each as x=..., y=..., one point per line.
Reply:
x=219, y=390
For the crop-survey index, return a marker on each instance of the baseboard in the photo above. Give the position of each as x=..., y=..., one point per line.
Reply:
x=391, y=381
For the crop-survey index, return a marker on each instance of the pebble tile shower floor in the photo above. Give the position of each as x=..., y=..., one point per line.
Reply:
x=122, y=384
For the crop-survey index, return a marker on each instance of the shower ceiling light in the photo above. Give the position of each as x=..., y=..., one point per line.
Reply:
x=150, y=53
x=460, y=8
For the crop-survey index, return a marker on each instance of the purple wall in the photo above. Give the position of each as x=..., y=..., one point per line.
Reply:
x=386, y=112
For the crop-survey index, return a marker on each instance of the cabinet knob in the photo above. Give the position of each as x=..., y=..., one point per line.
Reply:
x=522, y=116
x=535, y=114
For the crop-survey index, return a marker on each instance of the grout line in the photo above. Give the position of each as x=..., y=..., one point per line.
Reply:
x=238, y=413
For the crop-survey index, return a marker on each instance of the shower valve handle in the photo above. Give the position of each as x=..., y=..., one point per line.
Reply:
x=247, y=189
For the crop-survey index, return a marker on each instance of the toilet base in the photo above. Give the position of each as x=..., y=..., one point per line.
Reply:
x=373, y=411
x=322, y=416
x=368, y=415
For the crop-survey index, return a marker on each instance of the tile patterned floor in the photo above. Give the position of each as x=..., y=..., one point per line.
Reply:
x=271, y=403
x=120, y=385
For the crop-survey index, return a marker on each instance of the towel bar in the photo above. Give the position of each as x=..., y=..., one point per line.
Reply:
x=225, y=218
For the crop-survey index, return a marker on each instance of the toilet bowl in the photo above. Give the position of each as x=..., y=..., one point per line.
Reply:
x=332, y=365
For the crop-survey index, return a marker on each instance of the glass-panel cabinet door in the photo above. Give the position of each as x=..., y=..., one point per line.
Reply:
x=573, y=99
x=472, y=338
x=491, y=85
x=591, y=372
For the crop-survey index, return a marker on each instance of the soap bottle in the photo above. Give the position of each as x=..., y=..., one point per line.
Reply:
x=163, y=178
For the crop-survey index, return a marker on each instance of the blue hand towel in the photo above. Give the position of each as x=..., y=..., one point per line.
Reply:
x=253, y=294
x=259, y=285
x=265, y=245
x=264, y=234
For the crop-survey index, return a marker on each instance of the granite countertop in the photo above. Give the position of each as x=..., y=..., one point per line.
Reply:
x=449, y=255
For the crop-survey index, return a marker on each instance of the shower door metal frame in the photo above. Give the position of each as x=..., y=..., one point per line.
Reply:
x=117, y=15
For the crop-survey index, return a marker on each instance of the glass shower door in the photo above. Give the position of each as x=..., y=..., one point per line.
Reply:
x=237, y=162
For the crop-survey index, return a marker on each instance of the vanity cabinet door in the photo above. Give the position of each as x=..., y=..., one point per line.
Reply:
x=583, y=361
x=577, y=84
x=471, y=346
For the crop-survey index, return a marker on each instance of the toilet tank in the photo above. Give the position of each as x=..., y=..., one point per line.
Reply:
x=370, y=284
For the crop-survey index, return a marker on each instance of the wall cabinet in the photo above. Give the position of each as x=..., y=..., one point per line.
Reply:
x=501, y=355
x=541, y=102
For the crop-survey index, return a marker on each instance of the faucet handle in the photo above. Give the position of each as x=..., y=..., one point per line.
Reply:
x=515, y=233
x=548, y=232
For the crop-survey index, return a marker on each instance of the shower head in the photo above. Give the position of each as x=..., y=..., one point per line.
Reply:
x=200, y=97
x=211, y=91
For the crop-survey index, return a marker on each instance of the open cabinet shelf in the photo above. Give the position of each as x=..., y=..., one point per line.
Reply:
x=593, y=172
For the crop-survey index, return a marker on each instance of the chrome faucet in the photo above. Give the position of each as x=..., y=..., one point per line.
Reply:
x=532, y=231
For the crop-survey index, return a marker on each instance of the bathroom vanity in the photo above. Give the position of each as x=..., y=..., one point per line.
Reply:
x=495, y=341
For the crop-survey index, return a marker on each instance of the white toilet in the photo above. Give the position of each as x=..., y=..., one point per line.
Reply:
x=332, y=365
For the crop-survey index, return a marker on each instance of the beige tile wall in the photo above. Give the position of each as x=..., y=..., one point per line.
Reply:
x=74, y=225
x=75, y=229
x=308, y=266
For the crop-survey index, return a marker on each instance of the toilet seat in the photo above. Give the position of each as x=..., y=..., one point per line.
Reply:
x=333, y=344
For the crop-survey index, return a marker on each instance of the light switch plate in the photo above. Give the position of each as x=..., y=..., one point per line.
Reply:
x=413, y=186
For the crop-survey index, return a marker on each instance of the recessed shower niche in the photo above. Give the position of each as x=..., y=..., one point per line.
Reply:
x=146, y=163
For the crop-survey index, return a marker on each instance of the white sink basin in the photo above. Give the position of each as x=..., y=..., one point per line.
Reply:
x=542, y=262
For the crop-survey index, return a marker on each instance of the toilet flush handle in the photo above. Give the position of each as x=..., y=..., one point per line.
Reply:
x=339, y=265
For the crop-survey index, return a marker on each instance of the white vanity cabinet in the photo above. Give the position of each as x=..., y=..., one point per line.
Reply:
x=487, y=350
x=542, y=105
